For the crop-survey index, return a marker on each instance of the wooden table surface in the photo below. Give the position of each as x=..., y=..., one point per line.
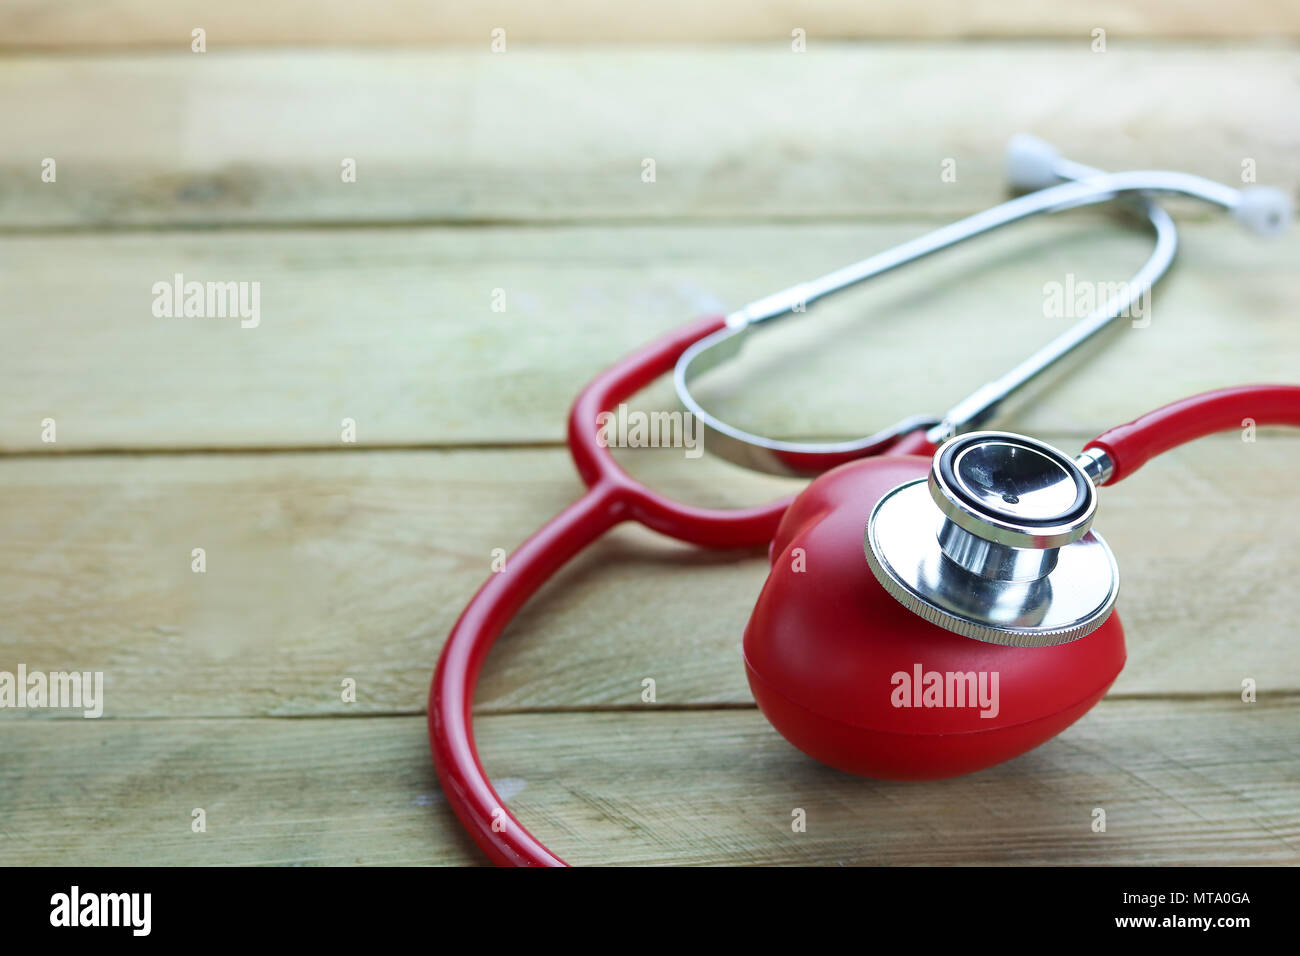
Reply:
x=522, y=172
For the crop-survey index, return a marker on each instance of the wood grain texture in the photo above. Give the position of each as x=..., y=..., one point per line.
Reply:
x=557, y=136
x=141, y=23
x=609, y=788
x=522, y=172
x=322, y=567
x=395, y=329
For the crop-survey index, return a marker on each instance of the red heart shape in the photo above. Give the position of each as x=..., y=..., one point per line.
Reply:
x=835, y=662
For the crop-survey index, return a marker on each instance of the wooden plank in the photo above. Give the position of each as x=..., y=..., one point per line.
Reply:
x=1182, y=782
x=395, y=329
x=322, y=567
x=138, y=23
x=736, y=133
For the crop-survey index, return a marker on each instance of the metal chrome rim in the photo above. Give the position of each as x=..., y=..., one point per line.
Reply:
x=1070, y=601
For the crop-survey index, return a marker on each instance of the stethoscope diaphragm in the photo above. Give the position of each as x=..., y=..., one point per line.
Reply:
x=996, y=544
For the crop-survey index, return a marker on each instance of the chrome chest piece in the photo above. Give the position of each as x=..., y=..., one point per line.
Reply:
x=997, y=543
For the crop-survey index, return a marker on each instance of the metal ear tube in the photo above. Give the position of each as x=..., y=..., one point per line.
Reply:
x=1060, y=185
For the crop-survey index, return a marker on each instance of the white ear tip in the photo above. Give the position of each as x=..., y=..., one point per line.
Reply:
x=1263, y=210
x=1031, y=163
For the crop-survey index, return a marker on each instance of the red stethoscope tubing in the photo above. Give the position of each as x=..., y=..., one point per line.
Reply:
x=613, y=496
x=1133, y=444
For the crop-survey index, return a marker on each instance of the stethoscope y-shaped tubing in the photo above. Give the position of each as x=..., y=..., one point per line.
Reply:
x=612, y=497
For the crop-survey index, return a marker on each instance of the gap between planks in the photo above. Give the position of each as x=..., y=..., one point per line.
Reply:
x=648, y=710
x=358, y=565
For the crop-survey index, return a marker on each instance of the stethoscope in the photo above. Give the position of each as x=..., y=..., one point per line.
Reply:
x=971, y=549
